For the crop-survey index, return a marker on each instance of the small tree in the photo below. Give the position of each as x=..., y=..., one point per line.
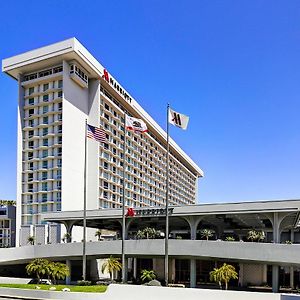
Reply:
x=223, y=275
x=147, y=275
x=67, y=238
x=58, y=271
x=256, y=236
x=38, y=268
x=207, y=233
x=30, y=240
x=98, y=234
x=111, y=265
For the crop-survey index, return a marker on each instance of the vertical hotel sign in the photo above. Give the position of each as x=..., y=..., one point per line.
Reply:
x=116, y=86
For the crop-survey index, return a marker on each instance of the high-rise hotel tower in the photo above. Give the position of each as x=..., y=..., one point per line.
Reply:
x=60, y=86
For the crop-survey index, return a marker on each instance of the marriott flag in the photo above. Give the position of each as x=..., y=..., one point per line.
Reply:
x=178, y=119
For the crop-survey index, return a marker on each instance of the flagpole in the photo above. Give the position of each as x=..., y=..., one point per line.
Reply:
x=123, y=204
x=84, y=209
x=167, y=206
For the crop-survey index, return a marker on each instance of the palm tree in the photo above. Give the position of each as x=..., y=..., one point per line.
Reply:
x=111, y=265
x=140, y=234
x=58, y=271
x=207, y=233
x=67, y=238
x=38, y=268
x=223, y=274
x=98, y=234
x=30, y=240
x=147, y=275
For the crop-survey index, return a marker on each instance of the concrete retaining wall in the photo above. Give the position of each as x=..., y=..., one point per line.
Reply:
x=131, y=292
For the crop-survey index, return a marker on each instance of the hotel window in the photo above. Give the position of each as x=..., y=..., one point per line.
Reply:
x=30, y=123
x=31, y=101
x=45, y=164
x=59, y=151
x=44, y=208
x=30, y=112
x=44, y=175
x=31, y=144
x=59, y=162
x=105, y=165
x=58, y=174
x=60, y=106
x=105, y=195
x=105, y=185
x=59, y=129
x=30, y=177
x=59, y=140
x=30, y=166
x=59, y=94
x=45, y=109
x=31, y=90
x=45, y=98
x=45, y=120
x=60, y=84
x=44, y=197
x=58, y=206
x=58, y=196
x=58, y=184
x=45, y=87
x=45, y=142
x=45, y=153
x=30, y=155
x=45, y=131
x=30, y=188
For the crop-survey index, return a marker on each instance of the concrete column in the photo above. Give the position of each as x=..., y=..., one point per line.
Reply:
x=265, y=273
x=68, y=278
x=275, y=279
x=126, y=269
x=193, y=279
x=292, y=237
x=193, y=222
x=276, y=223
x=134, y=268
x=292, y=277
x=241, y=275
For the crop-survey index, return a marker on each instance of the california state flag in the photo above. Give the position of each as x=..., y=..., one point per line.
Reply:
x=177, y=119
x=135, y=124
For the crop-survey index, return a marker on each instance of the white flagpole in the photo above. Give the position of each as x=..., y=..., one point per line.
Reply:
x=123, y=205
x=167, y=206
x=84, y=210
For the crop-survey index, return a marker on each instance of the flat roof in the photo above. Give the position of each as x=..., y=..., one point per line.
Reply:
x=72, y=49
x=238, y=211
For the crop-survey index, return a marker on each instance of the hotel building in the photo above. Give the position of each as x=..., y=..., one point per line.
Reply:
x=60, y=87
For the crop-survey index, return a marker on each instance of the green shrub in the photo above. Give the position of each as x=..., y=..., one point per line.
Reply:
x=84, y=282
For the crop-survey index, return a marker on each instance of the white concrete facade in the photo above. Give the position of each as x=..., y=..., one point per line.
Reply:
x=61, y=86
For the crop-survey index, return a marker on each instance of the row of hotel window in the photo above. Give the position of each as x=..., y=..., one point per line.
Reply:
x=36, y=112
x=45, y=87
x=45, y=142
x=44, y=131
x=43, y=73
x=44, y=175
x=43, y=153
x=44, y=164
x=36, y=198
x=43, y=208
x=44, y=187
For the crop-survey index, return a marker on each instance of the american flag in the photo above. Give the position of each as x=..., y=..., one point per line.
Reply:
x=96, y=134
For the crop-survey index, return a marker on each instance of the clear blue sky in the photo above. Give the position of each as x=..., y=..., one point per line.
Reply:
x=232, y=66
